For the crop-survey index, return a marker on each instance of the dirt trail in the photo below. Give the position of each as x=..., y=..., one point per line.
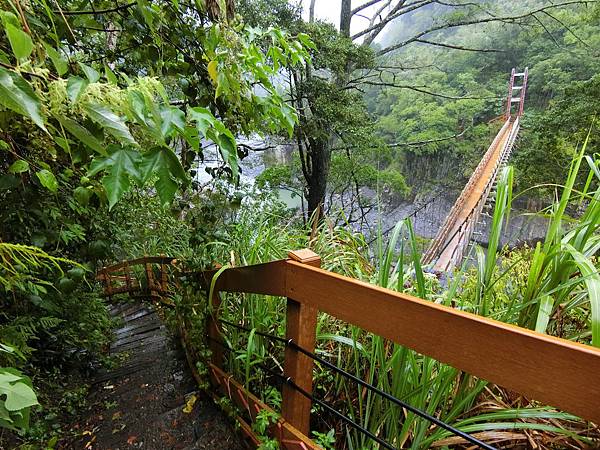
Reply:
x=151, y=400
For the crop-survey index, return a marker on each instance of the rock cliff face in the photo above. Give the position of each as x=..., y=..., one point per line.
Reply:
x=436, y=182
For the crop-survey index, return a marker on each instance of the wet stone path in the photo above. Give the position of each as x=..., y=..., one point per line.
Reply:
x=151, y=401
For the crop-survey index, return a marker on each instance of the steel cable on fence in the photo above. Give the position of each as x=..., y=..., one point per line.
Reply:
x=328, y=407
x=290, y=343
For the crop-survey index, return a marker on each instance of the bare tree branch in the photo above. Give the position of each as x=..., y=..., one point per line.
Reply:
x=566, y=27
x=425, y=91
x=380, y=25
x=97, y=11
x=428, y=141
x=506, y=19
x=411, y=143
x=460, y=47
x=364, y=6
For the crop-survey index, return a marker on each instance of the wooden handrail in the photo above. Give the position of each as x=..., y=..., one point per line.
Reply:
x=136, y=262
x=127, y=283
x=551, y=370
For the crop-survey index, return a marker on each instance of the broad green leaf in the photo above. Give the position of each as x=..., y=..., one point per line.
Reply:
x=222, y=85
x=147, y=13
x=203, y=118
x=82, y=134
x=165, y=187
x=173, y=119
x=291, y=118
x=191, y=136
x=112, y=123
x=99, y=164
x=110, y=75
x=75, y=87
x=7, y=377
x=174, y=165
x=226, y=142
x=82, y=195
x=120, y=165
x=18, y=396
x=91, y=73
x=228, y=151
x=161, y=160
x=15, y=387
x=152, y=161
x=9, y=18
x=306, y=40
x=60, y=63
x=21, y=43
x=19, y=166
x=212, y=71
x=4, y=414
x=137, y=106
x=16, y=94
x=48, y=180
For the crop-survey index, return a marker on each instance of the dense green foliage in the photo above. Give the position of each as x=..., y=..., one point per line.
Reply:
x=465, y=92
x=81, y=126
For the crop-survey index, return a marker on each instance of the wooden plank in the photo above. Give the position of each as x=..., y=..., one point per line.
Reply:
x=138, y=261
x=554, y=371
x=267, y=279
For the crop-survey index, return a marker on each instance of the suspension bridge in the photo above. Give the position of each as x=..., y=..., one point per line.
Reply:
x=554, y=371
x=452, y=240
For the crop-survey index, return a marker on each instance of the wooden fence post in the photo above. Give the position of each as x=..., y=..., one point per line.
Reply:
x=164, y=281
x=214, y=329
x=127, y=271
x=150, y=278
x=301, y=323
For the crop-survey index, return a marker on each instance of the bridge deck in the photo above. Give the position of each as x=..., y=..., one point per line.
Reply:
x=470, y=202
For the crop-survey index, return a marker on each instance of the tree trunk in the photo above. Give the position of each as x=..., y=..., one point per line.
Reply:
x=320, y=157
x=345, y=17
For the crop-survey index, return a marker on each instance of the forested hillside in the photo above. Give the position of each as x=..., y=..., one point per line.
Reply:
x=217, y=134
x=466, y=77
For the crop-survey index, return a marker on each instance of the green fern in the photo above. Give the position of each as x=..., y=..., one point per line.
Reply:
x=19, y=265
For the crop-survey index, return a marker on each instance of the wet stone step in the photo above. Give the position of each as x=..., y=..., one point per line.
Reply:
x=140, y=404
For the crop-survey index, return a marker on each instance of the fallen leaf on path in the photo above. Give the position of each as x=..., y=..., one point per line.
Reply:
x=89, y=444
x=189, y=406
x=131, y=440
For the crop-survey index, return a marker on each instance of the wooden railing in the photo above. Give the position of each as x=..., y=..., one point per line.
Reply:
x=551, y=370
x=156, y=280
